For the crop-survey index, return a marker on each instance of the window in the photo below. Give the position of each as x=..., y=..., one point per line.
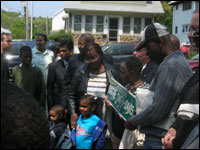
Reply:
x=187, y=5
x=137, y=25
x=149, y=2
x=127, y=49
x=77, y=23
x=126, y=26
x=100, y=26
x=88, y=23
x=197, y=4
x=186, y=28
x=113, y=49
x=176, y=6
x=148, y=21
x=176, y=29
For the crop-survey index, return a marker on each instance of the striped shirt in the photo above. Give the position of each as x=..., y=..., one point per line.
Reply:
x=97, y=85
x=42, y=60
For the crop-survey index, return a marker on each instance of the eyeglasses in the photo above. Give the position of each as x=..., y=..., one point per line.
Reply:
x=90, y=60
x=194, y=38
x=62, y=51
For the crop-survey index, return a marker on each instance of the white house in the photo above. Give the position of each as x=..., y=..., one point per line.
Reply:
x=5, y=31
x=109, y=21
x=57, y=20
x=182, y=14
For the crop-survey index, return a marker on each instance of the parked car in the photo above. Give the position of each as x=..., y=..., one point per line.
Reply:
x=118, y=51
x=13, y=54
x=194, y=61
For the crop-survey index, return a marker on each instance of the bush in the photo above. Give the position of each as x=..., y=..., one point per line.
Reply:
x=192, y=53
x=57, y=37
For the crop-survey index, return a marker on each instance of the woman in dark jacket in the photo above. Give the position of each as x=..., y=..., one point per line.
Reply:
x=92, y=78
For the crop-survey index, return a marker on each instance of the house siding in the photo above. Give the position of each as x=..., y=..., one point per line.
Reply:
x=111, y=9
x=181, y=18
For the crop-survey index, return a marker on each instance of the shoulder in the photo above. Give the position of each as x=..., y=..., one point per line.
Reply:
x=16, y=68
x=152, y=64
x=55, y=64
x=50, y=52
x=37, y=69
x=74, y=58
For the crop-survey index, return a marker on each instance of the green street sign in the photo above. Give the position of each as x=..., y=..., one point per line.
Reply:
x=122, y=100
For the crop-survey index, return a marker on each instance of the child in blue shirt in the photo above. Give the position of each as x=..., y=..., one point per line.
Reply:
x=90, y=130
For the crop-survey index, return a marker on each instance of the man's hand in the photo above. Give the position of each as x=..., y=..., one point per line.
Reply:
x=128, y=125
x=74, y=119
x=168, y=138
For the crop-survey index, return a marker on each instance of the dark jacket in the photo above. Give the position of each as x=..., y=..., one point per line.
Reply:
x=75, y=62
x=149, y=71
x=54, y=82
x=80, y=81
x=56, y=130
x=189, y=95
x=98, y=137
x=4, y=68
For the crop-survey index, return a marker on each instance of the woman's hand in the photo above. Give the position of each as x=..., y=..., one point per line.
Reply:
x=108, y=103
x=74, y=119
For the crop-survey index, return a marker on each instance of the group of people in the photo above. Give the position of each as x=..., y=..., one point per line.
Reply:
x=73, y=91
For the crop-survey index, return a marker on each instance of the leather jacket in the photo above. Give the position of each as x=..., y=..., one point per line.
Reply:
x=79, y=84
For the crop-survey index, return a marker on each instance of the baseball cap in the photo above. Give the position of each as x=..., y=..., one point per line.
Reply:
x=152, y=31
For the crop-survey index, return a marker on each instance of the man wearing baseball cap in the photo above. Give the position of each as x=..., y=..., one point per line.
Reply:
x=174, y=71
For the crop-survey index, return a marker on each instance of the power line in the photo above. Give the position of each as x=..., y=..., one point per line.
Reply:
x=10, y=7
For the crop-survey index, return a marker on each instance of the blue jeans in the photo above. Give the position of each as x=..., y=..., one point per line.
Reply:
x=152, y=143
x=192, y=141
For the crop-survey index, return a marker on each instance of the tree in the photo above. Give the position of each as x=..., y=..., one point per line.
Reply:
x=167, y=18
x=18, y=29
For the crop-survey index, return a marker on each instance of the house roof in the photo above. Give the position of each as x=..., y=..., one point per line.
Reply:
x=114, y=6
x=57, y=12
x=5, y=31
x=175, y=2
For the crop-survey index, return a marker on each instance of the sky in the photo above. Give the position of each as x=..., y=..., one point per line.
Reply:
x=40, y=8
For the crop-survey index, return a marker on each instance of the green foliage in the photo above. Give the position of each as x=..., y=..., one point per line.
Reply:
x=17, y=29
x=60, y=36
x=192, y=53
x=7, y=18
x=13, y=22
x=166, y=18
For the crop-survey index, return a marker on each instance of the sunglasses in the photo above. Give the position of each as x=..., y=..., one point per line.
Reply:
x=62, y=51
x=194, y=39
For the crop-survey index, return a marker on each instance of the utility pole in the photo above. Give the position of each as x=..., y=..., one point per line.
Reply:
x=47, y=25
x=26, y=20
x=31, y=20
x=25, y=5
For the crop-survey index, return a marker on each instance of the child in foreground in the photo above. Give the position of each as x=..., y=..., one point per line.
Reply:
x=91, y=130
x=59, y=135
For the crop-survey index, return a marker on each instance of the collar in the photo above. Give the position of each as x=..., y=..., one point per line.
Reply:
x=20, y=65
x=36, y=51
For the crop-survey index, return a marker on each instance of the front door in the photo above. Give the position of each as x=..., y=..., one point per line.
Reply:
x=113, y=29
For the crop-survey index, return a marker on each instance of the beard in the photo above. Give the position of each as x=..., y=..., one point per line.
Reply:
x=156, y=57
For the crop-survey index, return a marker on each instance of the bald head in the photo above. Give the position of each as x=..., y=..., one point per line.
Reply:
x=87, y=37
x=175, y=41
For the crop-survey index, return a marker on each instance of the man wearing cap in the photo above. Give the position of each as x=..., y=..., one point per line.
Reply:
x=174, y=71
x=149, y=68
